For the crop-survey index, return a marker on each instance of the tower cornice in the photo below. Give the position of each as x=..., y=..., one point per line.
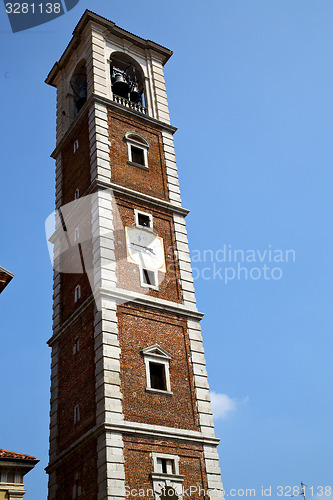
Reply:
x=111, y=28
x=112, y=105
x=138, y=196
x=136, y=429
x=152, y=303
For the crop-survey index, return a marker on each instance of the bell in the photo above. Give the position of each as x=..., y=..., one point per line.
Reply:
x=81, y=95
x=135, y=94
x=120, y=86
x=83, y=90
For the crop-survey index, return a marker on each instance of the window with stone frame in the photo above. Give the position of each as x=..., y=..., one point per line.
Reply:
x=137, y=148
x=143, y=219
x=167, y=482
x=157, y=362
x=148, y=277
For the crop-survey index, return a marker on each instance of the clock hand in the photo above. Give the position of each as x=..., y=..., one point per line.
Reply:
x=141, y=246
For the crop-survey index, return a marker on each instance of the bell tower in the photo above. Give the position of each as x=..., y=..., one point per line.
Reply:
x=130, y=407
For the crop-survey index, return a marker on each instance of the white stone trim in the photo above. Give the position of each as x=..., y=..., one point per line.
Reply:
x=162, y=204
x=99, y=143
x=137, y=139
x=146, y=300
x=155, y=302
x=183, y=252
x=111, y=474
x=213, y=472
x=171, y=168
x=110, y=465
x=184, y=262
x=204, y=407
x=163, y=432
x=99, y=62
x=160, y=96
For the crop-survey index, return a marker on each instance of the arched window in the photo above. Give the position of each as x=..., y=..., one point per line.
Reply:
x=127, y=79
x=137, y=147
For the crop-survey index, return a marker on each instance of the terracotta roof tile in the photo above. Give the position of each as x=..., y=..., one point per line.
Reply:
x=12, y=454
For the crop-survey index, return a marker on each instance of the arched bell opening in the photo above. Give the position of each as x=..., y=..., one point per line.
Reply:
x=79, y=86
x=127, y=78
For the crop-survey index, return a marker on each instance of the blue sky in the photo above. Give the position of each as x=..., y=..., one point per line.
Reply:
x=250, y=86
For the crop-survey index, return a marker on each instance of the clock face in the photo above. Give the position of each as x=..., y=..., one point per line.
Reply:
x=145, y=248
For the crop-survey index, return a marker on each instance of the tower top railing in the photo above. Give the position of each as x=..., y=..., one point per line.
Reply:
x=129, y=104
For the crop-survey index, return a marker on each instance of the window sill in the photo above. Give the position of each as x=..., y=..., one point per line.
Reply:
x=152, y=287
x=159, y=391
x=162, y=476
x=138, y=165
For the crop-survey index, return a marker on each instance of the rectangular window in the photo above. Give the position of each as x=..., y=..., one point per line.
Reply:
x=76, y=146
x=170, y=487
x=77, y=293
x=76, y=414
x=149, y=278
x=157, y=376
x=138, y=155
x=165, y=466
x=143, y=219
x=76, y=346
x=76, y=487
x=157, y=370
x=76, y=234
x=76, y=194
x=137, y=147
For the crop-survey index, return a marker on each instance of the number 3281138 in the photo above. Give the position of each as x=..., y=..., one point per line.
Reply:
x=33, y=8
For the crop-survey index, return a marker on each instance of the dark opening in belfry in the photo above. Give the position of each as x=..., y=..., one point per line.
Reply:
x=127, y=78
x=79, y=86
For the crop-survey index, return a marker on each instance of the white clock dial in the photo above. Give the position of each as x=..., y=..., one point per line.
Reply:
x=145, y=248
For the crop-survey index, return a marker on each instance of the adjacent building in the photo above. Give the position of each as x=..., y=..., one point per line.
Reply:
x=13, y=468
x=5, y=277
